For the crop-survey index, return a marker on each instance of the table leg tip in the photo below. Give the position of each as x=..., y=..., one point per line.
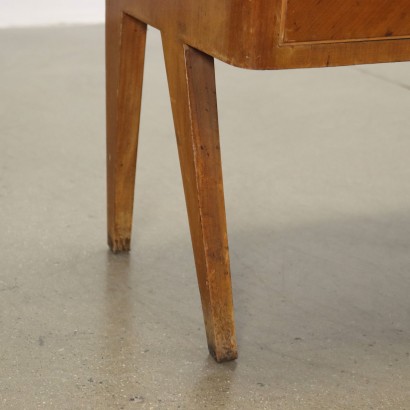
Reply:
x=119, y=245
x=223, y=355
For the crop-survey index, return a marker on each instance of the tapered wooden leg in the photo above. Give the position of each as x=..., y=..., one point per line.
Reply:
x=191, y=79
x=125, y=49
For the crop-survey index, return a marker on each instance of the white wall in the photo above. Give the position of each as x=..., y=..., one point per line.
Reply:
x=45, y=12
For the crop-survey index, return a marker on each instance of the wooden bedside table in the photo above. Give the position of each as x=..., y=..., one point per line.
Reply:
x=255, y=34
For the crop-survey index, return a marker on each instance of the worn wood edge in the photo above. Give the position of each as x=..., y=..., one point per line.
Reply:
x=228, y=355
x=119, y=245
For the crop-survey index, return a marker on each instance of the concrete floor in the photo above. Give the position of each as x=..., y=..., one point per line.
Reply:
x=317, y=171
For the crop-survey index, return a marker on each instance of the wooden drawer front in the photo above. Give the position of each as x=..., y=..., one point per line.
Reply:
x=344, y=20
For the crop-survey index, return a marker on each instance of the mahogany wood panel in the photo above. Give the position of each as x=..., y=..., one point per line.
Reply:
x=344, y=20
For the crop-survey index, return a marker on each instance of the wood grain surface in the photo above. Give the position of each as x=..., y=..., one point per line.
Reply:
x=125, y=51
x=256, y=34
x=345, y=20
x=191, y=79
x=250, y=34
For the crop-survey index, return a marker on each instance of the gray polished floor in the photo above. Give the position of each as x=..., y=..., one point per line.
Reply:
x=317, y=178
